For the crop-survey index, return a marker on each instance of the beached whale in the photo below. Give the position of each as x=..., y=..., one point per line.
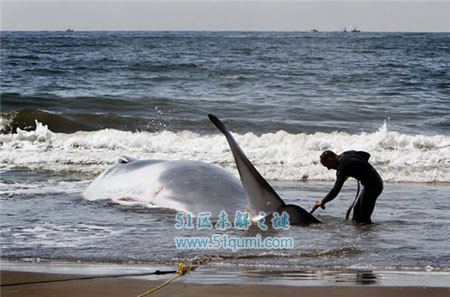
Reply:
x=194, y=186
x=189, y=186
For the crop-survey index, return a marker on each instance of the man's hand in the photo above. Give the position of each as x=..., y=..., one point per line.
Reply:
x=318, y=204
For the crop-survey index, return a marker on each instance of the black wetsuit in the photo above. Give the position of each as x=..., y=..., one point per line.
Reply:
x=355, y=164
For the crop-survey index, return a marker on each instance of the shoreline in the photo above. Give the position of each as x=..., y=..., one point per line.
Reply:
x=229, y=274
x=49, y=285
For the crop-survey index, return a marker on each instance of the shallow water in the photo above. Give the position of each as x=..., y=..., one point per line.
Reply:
x=49, y=219
x=296, y=276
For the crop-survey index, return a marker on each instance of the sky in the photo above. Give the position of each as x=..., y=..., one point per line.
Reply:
x=216, y=15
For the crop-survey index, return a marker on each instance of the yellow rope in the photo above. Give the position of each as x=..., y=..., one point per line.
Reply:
x=182, y=270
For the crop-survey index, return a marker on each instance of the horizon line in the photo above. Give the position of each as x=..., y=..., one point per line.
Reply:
x=72, y=30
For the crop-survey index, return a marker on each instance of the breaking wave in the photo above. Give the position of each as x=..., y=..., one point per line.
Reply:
x=278, y=156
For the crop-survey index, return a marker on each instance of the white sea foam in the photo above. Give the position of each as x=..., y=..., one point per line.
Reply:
x=279, y=156
x=40, y=134
x=42, y=187
x=3, y=123
x=61, y=236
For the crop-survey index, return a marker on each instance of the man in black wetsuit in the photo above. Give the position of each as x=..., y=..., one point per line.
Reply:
x=353, y=164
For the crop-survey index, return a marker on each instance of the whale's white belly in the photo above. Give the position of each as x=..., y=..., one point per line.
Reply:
x=189, y=186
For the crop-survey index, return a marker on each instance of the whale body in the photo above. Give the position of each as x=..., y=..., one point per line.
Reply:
x=195, y=186
x=189, y=186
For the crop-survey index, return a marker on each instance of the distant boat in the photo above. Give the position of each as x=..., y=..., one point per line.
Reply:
x=351, y=29
x=314, y=30
x=70, y=30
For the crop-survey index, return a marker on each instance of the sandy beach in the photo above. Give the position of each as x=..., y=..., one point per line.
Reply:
x=49, y=285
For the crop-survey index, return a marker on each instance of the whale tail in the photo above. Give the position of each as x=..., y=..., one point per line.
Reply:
x=261, y=196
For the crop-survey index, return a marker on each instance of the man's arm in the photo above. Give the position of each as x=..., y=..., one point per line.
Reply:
x=340, y=180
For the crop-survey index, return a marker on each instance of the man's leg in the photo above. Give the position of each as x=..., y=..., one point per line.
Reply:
x=365, y=205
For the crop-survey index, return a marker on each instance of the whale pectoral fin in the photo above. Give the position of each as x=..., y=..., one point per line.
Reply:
x=126, y=159
x=298, y=215
x=261, y=196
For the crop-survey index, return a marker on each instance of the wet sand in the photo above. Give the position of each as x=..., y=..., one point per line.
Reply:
x=49, y=285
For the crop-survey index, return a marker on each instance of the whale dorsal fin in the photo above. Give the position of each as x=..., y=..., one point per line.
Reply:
x=261, y=196
x=126, y=159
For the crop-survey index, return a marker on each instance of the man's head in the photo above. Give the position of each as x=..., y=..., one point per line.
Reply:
x=329, y=159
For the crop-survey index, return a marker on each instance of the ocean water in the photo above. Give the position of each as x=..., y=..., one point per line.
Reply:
x=73, y=103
